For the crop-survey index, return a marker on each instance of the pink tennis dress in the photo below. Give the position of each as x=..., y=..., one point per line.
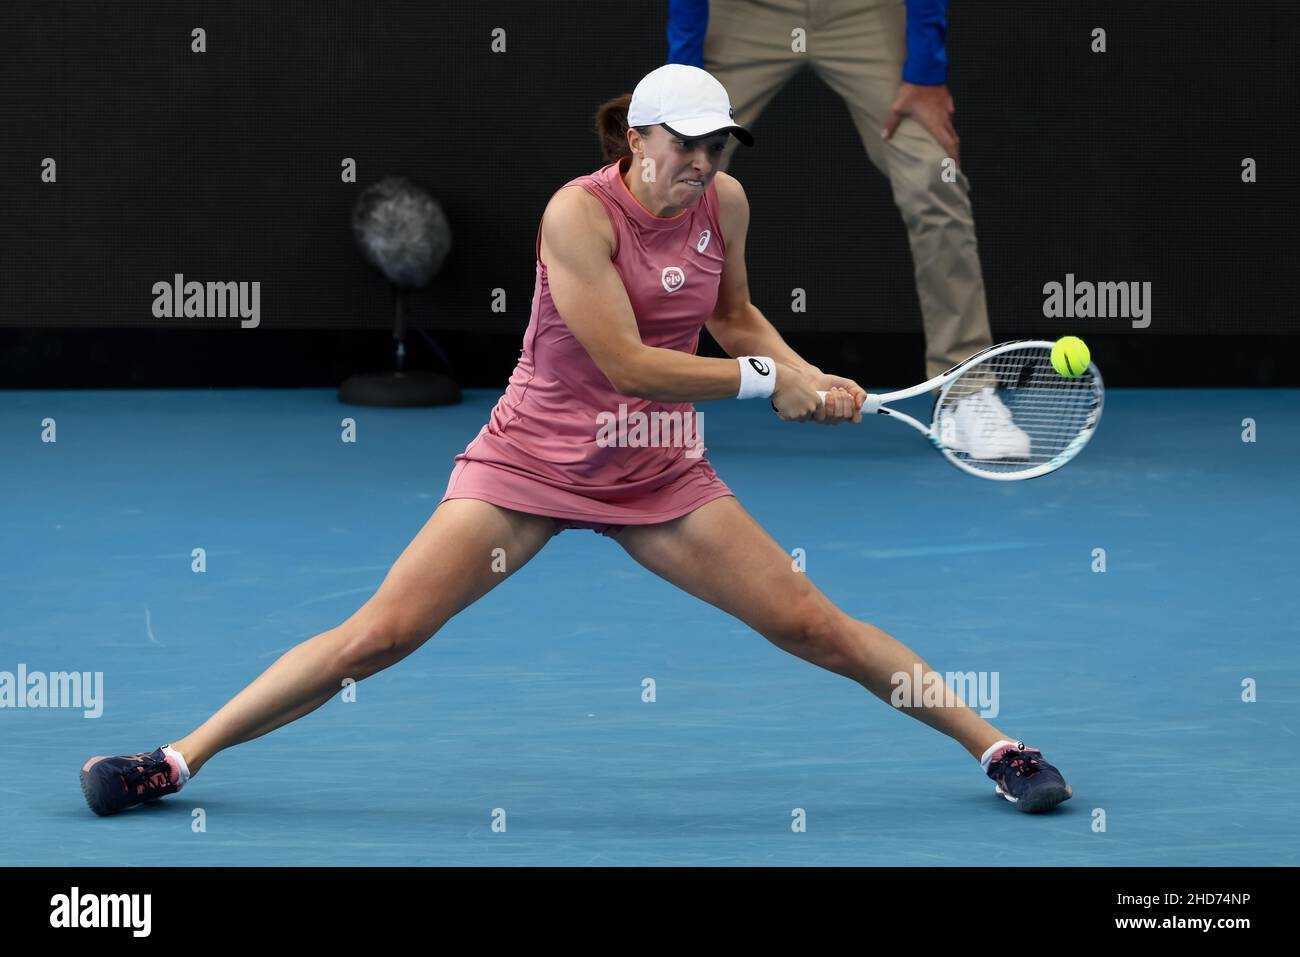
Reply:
x=562, y=441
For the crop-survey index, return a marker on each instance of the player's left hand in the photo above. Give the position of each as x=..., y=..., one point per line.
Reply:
x=844, y=399
x=932, y=107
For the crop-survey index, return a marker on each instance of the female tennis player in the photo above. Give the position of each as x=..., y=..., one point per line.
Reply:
x=632, y=261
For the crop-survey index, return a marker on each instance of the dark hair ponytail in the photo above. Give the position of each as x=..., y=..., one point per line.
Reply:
x=611, y=127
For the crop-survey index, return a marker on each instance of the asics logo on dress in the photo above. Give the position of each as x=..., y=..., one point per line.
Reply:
x=673, y=278
x=703, y=244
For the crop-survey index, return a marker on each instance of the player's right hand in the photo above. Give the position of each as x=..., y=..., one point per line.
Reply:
x=795, y=397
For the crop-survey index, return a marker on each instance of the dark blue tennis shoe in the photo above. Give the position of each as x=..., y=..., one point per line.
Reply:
x=1026, y=779
x=115, y=784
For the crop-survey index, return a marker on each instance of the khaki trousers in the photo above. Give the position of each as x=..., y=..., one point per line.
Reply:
x=858, y=48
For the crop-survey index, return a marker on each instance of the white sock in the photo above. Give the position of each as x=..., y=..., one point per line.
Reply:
x=180, y=760
x=988, y=755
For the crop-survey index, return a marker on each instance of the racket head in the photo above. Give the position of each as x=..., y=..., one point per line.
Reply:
x=1051, y=417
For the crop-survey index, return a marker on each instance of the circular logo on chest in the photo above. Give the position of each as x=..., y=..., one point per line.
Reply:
x=673, y=278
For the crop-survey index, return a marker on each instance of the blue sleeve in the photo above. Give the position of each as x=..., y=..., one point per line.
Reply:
x=688, y=21
x=927, y=31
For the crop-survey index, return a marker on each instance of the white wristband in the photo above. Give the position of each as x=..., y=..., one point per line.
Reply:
x=757, y=377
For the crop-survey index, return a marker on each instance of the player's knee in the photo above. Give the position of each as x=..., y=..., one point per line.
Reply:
x=364, y=649
x=824, y=634
x=812, y=630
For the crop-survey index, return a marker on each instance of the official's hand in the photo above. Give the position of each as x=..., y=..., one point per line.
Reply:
x=932, y=107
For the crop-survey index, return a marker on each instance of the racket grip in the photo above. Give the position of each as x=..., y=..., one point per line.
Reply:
x=869, y=406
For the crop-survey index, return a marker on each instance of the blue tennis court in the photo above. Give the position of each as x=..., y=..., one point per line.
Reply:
x=530, y=702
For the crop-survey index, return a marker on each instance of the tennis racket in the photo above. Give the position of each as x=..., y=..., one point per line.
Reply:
x=1005, y=413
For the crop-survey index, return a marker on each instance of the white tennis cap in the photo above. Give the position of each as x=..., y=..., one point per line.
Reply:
x=685, y=100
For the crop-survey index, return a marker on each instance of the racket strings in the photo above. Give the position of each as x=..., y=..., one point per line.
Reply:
x=1014, y=412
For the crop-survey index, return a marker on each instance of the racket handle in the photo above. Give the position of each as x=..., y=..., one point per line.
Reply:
x=869, y=406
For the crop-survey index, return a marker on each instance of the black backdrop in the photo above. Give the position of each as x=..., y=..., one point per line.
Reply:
x=225, y=166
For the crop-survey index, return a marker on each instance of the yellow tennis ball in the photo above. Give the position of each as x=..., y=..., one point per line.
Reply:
x=1070, y=356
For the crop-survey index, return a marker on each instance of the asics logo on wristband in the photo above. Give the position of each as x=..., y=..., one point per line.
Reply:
x=757, y=377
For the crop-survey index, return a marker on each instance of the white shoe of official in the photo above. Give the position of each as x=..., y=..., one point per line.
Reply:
x=981, y=426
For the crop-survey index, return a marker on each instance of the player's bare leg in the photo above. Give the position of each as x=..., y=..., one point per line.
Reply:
x=446, y=567
x=721, y=555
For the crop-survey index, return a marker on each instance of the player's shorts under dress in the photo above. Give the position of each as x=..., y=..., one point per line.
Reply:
x=562, y=441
